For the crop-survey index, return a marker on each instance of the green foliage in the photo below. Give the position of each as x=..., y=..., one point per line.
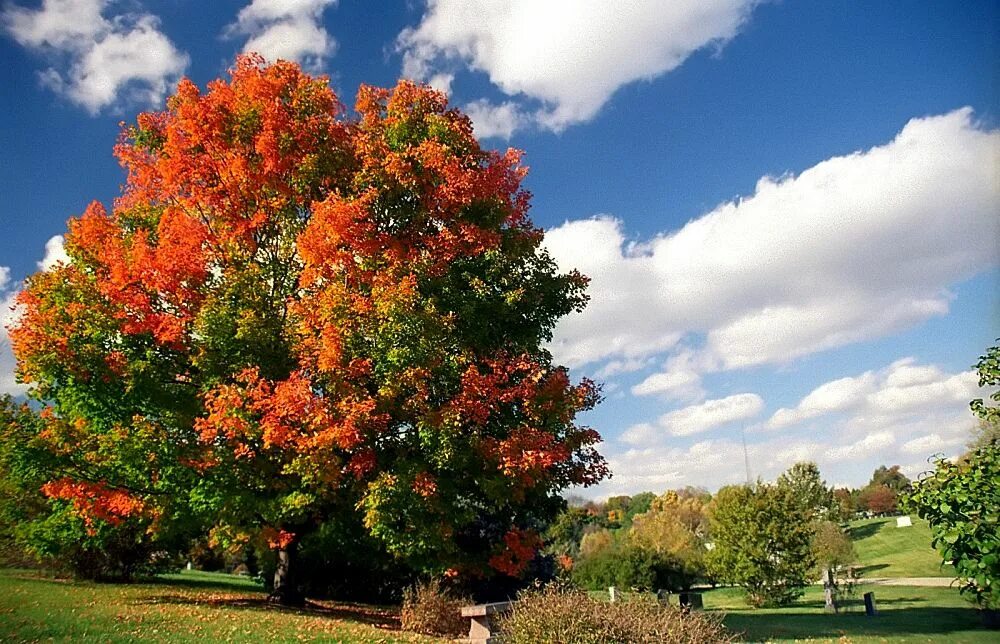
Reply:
x=626, y=565
x=803, y=481
x=762, y=541
x=890, y=477
x=831, y=547
x=554, y=615
x=962, y=503
x=989, y=376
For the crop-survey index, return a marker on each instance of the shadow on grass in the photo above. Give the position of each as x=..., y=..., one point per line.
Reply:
x=866, y=570
x=866, y=530
x=379, y=617
x=894, y=623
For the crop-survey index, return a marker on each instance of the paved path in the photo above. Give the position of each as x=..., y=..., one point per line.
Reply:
x=910, y=581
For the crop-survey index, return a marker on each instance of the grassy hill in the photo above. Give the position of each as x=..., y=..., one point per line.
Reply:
x=887, y=551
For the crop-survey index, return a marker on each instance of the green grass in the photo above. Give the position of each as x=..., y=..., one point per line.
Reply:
x=887, y=551
x=905, y=614
x=186, y=607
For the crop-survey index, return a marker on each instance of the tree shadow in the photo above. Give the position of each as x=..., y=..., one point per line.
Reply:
x=385, y=618
x=866, y=530
x=864, y=570
x=896, y=623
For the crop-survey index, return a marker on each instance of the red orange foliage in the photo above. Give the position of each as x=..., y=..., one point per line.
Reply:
x=336, y=313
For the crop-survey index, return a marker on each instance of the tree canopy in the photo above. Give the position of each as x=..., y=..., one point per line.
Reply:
x=292, y=312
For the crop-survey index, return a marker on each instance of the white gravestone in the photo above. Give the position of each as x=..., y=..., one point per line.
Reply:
x=903, y=522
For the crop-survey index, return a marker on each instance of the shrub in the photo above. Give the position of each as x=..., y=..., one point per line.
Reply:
x=554, y=615
x=627, y=566
x=430, y=609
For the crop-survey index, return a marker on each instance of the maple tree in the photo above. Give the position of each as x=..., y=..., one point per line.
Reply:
x=293, y=313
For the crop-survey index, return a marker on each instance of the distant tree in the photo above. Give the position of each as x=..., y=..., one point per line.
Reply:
x=640, y=503
x=891, y=477
x=567, y=531
x=595, y=542
x=762, y=542
x=846, y=500
x=675, y=528
x=880, y=499
x=803, y=481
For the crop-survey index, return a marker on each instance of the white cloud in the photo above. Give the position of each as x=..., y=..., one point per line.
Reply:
x=871, y=445
x=853, y=426
x=8, y=316
x=103, y=60
x=897, y=393
x=286, y=29
x=494, y=120
x=931, y=444
x=641, y=434
x=567, y=58
x=854, y=248
x=55, y=253
x=837, y=395
x=695, y=419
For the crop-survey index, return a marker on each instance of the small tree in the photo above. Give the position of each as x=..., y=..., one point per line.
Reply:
x=761, y=542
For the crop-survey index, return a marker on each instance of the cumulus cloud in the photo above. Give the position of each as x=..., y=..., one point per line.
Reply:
x=902, y=413
x=287, y=30
x=55, y=253
x=854, y=248
x=903, y=388
x=101, y=59
x=695, y=419
x=561, y=61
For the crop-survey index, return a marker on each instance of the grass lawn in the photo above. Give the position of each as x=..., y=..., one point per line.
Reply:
x=887, y=551
x=186, y=607
x=905, y=614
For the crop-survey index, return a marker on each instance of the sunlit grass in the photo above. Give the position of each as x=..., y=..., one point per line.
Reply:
x=188, y=607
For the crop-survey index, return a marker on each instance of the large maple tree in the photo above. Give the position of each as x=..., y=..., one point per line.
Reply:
x=293, y=313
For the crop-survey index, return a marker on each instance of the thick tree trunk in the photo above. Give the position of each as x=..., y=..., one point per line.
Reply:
x=286, y=589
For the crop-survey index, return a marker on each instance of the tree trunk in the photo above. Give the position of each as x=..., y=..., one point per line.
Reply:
x=286, y=589
x=828, y=588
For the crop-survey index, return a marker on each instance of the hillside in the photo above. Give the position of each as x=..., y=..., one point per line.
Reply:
x=887, y=551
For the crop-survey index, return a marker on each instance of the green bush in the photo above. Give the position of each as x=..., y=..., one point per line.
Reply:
x=554, y=615
x=627, y=566
x=431, y=609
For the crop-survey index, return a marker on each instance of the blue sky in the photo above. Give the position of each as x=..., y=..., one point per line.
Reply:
x=788, y=209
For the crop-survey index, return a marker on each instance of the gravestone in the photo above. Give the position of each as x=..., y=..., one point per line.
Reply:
x=613, y=594
x=903, y=522
x=691, y=601
x=870, y=604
